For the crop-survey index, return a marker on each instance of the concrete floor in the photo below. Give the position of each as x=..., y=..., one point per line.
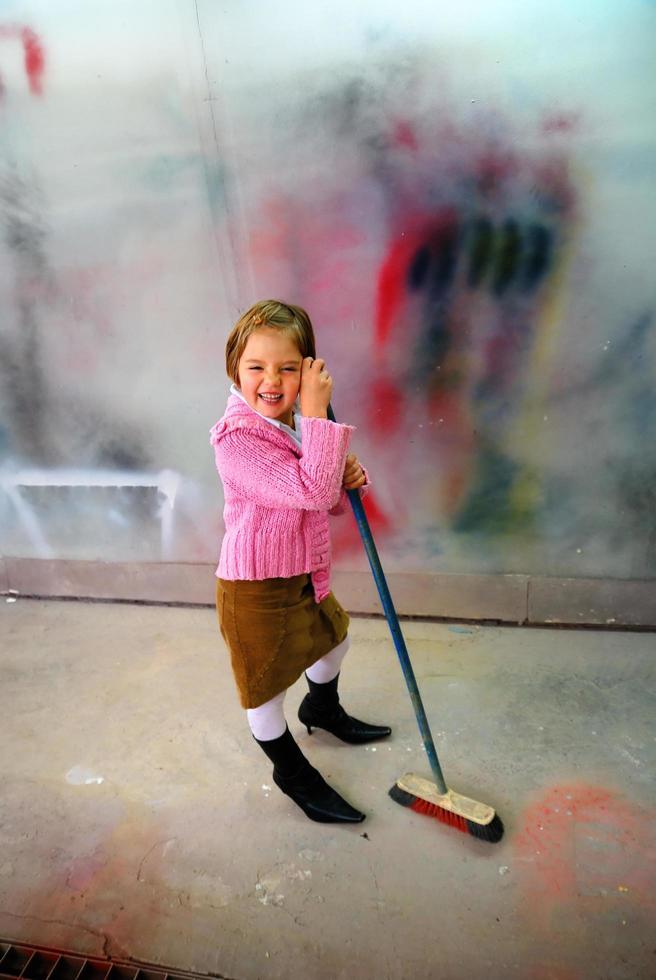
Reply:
x=139, y=819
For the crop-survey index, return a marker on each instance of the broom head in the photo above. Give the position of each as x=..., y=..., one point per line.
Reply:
x=469, y=816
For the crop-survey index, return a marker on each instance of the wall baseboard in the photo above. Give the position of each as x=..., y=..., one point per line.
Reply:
x=524, y=599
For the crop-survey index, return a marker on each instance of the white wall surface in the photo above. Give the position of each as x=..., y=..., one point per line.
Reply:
x=461, y=195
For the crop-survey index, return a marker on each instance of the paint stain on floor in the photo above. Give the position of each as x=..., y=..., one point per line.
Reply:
x=586, y=855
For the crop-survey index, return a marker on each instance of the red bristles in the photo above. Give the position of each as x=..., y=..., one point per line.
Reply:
x=491, y=832
x=439, y=813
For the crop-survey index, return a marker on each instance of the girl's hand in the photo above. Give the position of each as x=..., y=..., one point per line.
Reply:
x=316, y=388
x=354, y=476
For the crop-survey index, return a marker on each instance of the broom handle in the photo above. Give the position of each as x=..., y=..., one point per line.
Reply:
x=395, y=630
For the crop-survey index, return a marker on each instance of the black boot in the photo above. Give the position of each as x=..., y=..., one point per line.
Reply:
x=294, y=775
x=321, y=709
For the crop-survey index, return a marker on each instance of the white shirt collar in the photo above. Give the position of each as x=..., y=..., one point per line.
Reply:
x=294, y=433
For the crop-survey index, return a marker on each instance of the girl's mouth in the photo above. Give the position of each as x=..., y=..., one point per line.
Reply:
x=269, y=398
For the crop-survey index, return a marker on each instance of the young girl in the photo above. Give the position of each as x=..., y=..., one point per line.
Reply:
x=283, y=472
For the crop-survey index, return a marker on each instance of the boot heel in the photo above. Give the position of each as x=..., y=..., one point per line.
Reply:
x=340, y=724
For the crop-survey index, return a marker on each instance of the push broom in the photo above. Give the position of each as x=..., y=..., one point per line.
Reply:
x=434, y=799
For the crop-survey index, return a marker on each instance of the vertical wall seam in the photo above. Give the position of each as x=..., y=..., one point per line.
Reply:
x=5, y=584
x=529, y=581
x=236, y=288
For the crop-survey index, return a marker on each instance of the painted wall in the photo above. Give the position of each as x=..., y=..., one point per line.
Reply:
x=463, y=196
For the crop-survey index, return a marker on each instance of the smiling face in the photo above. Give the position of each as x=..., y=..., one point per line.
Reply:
x=270, y=373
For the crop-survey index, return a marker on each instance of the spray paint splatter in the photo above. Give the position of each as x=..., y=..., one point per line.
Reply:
x=586, y=856
x=33, y=53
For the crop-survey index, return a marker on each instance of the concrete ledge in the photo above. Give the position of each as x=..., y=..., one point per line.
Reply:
x=136, y=581
x=501, y=597
x=592, y=601
x=519, y=599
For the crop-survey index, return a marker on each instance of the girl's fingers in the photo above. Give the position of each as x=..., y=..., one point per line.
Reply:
x=353, y=476
x=317, y=365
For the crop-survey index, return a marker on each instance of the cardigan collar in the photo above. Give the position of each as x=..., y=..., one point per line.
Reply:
x=239, y=415
x=294, y=434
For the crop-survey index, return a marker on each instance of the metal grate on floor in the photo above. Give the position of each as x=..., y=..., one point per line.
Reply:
x=45, y=963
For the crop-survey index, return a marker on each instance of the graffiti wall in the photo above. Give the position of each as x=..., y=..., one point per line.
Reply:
x=462, y=198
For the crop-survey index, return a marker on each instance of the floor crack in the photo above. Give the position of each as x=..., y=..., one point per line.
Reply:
x=106, y=939
x=157, y=843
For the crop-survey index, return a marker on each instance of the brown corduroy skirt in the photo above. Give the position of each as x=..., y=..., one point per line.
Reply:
x=274, y=630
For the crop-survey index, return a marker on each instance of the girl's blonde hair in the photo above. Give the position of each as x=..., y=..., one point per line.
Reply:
x=289, y=319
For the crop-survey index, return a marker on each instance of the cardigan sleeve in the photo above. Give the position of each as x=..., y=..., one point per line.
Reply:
x=342, y=503
x=253, y=467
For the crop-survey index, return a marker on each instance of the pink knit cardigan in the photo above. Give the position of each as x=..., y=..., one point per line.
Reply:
x=278, y=496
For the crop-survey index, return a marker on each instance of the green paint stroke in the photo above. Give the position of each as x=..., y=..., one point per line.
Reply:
x=504, y=498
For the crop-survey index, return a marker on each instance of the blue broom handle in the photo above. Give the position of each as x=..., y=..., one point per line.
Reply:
x=395, y=630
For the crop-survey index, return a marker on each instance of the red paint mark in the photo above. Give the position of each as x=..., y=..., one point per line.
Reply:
x=34, y=60
x=551, y=180
x=499, y=353
x=404, y=135
x=493, y=170
x=417, y=231
x=377, y=518
x=386, y=398
x=561, y=122
x=394, y=291
x=582, y=843
x=392, y=279
x=85, y=870
x=33, y=51
x=345, y=536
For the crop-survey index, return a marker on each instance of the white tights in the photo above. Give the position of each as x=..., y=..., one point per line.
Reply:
x=268, y=721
